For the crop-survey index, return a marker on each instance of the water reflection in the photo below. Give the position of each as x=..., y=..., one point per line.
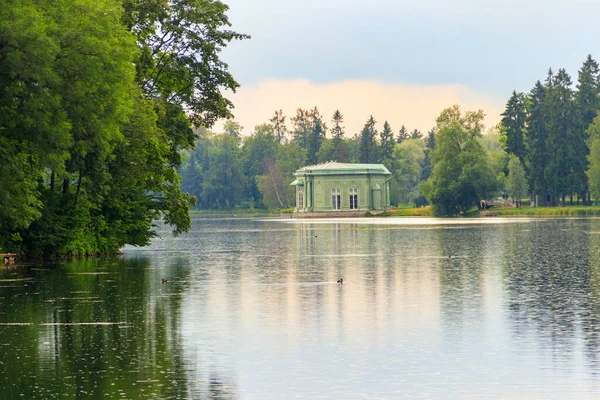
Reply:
x=252, y=310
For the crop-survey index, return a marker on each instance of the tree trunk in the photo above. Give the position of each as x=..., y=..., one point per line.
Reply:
x=78, y=188
x=52, y=181
x=66, y=185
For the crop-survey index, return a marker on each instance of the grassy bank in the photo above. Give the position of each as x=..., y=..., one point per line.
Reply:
x=242, y=211
x=568, y=211
x=408, y=212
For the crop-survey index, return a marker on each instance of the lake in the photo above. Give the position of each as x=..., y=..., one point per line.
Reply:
x=251, y=309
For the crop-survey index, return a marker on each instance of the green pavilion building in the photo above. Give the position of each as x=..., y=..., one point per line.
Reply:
x=338, y=189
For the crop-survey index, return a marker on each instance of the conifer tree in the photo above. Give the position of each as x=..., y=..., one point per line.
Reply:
x=537, y=133
x=416, y=134
x=386, y=145
x=559, y=172
x=430, y=146
x=278, y=122
x=587, y=103
x=513, y=120
x=340, y=151
x=403, y=134
x=367, y=144
x=316, y=138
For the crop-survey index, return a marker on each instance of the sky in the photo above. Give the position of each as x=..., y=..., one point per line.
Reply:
x=400, y=61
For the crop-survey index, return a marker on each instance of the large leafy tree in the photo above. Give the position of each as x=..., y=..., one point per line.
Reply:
x=97, y=99
x=461, y=175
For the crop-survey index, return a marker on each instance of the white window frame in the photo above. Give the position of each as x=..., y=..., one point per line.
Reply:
x=353, y=194
x=336, y=199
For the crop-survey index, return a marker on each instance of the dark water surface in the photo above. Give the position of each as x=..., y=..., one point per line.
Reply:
x=252, y=310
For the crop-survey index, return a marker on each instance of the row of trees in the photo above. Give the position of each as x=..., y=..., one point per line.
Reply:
x=550, y=141
x=97, y=101
x=228, y=170
x=551, y=130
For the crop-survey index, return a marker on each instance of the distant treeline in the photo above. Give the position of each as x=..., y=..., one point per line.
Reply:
x=547, y=146
x=228, y=170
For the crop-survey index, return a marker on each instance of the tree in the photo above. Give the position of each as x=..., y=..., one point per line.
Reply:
x=403, y=134
x=516, y=181
x=278, y=122
x=416, y=134
x=368, y=146
x=406, y=170
x=97, y=100
x=513, y=120
x=302, y=125
x=316, y=138
x=461, y=176
x=340, y=149
x=233, y=128
x=536, y=140
x=426, y=165
x=260, y=146
x=588, y=103
x=386, y=145
x=559, y=173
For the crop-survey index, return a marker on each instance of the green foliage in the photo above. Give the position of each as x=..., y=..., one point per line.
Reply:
x=516, y=181
x=403, y=134
x=368, y=145
x=593, y=172
x=96, y=104
x=513, y=122
x=386, y=145
x=461, y=175
x=406, y=168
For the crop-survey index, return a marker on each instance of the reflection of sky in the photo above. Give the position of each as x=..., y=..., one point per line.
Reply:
x=408, y=322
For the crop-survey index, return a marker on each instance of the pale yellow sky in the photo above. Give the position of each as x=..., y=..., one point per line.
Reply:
x=415, y=106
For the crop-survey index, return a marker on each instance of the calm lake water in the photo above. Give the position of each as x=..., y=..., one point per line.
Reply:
x=252, y=310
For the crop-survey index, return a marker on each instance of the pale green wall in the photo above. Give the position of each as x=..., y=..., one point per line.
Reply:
x=317, y=191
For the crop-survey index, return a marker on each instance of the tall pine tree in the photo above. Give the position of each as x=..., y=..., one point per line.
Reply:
x=537, y=154
x=367, y=143
x=513, y=120
x=587, y=103
x=386, y=145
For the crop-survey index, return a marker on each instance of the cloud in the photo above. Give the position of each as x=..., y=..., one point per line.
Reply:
x=413, y=105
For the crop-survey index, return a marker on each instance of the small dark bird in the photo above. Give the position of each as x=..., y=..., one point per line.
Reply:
x=449, y=256
x=340, y=281
x=316, y=236
x=164, y=280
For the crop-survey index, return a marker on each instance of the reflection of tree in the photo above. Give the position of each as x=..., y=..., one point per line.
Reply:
x=549, y=280
x=141, y=357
